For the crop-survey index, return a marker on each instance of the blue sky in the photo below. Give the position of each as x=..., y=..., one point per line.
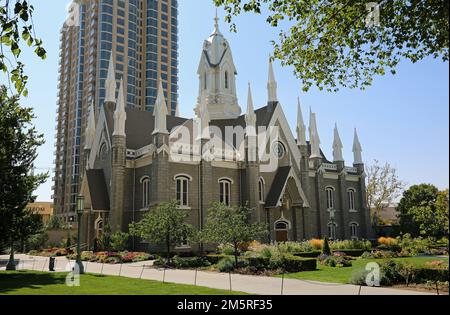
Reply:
x=401, y=119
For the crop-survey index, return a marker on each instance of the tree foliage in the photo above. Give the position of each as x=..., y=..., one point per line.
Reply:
x=383, y=187
x=231, y=225
x=163, y=225
x=330, y=44
x=18, y=150
x=16, y=28
x=424, y=211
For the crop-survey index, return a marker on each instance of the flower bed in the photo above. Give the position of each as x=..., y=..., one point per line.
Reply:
x=51, y=252
x=113, y=257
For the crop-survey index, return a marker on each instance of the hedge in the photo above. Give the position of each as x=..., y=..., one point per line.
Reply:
x=259, y=263
x=421, y=275
x=352, y=252
x=215, y=258
x=297, y=264
x=312, y=254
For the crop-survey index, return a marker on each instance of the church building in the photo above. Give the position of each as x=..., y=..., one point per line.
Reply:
x=136, y=160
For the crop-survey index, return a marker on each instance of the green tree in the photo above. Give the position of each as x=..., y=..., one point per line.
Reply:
x=16, y=27
x=119, y=241
x=18, y=150
x=424, y=211
x=56, y=223
x=231, y=225
x=163, y=225
x=336, y=43
x=382, y=189
x=29, y=225
x=326, y=250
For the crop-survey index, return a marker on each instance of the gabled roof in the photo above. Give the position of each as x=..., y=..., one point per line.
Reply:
x=98, y=190
x=277, y=188
x=139, y=126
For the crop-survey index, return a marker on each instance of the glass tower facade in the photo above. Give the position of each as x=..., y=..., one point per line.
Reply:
x=142, y=36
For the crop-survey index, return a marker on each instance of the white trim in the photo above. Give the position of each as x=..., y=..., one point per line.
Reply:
x=183, y=175
x=284, y=220
x=225, y=179
x=183, y=178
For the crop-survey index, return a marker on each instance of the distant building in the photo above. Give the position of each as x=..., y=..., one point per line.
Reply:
x=45, y=209
x=388, y=216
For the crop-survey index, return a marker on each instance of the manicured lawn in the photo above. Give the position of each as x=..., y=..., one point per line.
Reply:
x=342, y=275
x=38, y=283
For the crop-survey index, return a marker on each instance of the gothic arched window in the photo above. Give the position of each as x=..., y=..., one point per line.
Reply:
x=205, y=81
x=182, y=190
x=330, y=197
x=351, y=199
x=145, y=182
x=354, y=230
x=261, y=190
x=225, y=191
x=332, y=227
x=103, y=152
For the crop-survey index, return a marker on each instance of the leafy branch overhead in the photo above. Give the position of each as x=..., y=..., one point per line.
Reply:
x=16, y=27
x=330, y=44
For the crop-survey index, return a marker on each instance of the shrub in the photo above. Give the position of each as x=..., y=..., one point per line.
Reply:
x=226, y=264
x=215, y=258
x=338, y=261
x=112, y=260
x=326, y=247
x=359, y=277
x=317, y=244
x=119, y=241
x=353, y=252
x=259, y=263
x=351, y=245
x=387, y=241
x=292, y=263
x=191, y=262
x=226, y=249
x=311, y=254
x=423, y=275
x=391, y=273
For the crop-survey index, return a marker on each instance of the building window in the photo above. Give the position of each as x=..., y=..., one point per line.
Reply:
x=351, y=199
x=261, y=190
x=145, y=182
x=226, y=79
x=332, y=227
x=225, y=191
x=354, y=230
x=103, y=152
x=205, y=81
x=182, y=186
x=330, y=198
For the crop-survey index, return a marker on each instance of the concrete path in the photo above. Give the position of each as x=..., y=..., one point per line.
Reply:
x=250, y=284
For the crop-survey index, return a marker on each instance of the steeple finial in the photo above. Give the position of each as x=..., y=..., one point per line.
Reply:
x=216, y=23
x=110, y=83
x=301, y=128
x=250, y=117
x=357, y=150
x=337, y=146
x=160, y=111
x=120, y=115
x=272, y=84
x=314, y=136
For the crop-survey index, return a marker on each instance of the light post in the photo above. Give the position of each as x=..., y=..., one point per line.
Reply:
x=80, y=210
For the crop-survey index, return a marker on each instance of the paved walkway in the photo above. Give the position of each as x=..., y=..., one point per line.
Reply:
x=250, y=284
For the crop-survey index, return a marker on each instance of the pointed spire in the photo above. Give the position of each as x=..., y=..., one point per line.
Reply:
x=110, y=83
x=120, y=115
x=357, y=150
x=216, y=24
x=272, y=84
x=250, y=117
x=301, y=128
x=314, y=136
x=337, y=146
x=160, y=111
x=90, y=129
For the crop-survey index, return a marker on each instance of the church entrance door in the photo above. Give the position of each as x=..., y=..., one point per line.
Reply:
x=282, y=236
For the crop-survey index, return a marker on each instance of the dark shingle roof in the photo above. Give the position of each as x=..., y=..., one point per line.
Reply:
x=98, y=190
x=276, y=189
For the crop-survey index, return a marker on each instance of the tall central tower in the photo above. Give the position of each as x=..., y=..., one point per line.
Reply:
x=217, y=78
x=141, y=36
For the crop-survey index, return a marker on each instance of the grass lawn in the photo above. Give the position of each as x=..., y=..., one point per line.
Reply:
x=39, y=283
x=342, y=275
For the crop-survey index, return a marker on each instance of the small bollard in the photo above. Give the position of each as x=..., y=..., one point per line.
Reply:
x=51, y=264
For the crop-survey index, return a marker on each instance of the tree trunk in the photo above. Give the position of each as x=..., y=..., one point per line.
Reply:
x=11, y=266
x=168, y=248
x=236, y=255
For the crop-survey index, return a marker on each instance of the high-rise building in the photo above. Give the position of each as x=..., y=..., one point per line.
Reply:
x=141, y=37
